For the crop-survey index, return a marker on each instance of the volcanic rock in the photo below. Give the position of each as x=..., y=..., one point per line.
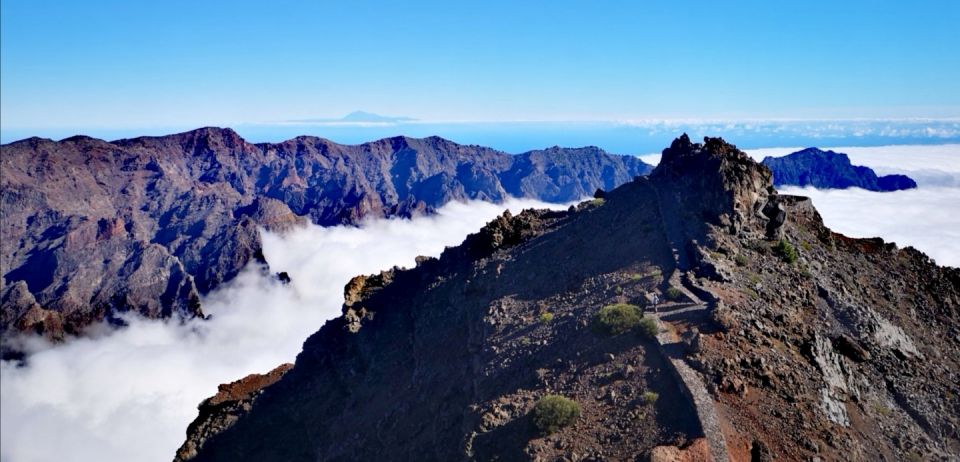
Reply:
x=831, y=170
x=92, y=229
x=823, y=358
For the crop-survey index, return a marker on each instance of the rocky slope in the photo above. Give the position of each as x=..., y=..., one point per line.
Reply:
x=781, y=341
x=828, y=169
x=93, y=228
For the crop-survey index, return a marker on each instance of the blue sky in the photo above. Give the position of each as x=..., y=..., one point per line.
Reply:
x=122, y=64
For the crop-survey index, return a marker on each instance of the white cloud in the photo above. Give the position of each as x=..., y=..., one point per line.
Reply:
x=925, y=218
x=652, y=159
x=128, y=395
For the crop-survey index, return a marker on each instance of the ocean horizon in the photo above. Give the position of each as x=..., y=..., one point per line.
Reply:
x=627, y=137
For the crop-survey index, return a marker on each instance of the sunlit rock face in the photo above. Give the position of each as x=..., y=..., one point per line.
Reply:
x=94, y=228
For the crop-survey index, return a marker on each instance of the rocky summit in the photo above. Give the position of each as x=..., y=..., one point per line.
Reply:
x=695, y=314
x=831, y=170
x=92, y=229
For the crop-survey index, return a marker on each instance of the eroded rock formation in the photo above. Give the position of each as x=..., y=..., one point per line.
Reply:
x=92, y=228
x=831, y=170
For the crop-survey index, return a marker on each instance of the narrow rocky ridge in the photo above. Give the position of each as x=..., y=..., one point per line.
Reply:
x=788, y=341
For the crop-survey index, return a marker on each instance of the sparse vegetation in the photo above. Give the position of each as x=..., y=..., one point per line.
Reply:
x=741, y=260
x=648, y=326
x=553, y=412
x=880, y=409
x=649, y=397
x=914, y=456
x=636, y=277
x=786, y=251
x=546, y=317
x=724, y=318
x=674, y=294
x=617, y=319
x=598, y=202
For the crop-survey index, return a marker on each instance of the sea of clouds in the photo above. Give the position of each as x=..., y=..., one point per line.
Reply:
x=927, y=218
x=128, y=395
x=929, y=165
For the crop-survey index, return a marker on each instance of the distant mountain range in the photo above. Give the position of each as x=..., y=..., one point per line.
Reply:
x=830, y=170
x=358, y=117
x=94, y=228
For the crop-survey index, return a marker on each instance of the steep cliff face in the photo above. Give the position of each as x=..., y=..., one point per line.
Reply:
x=93, y=228
x=828, y=169
x=779, y=340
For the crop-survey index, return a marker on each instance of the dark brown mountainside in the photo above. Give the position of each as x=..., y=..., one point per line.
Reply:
x=775, y=339
x=91, y=228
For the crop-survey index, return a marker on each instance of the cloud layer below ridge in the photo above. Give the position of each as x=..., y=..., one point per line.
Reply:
x=128, y=395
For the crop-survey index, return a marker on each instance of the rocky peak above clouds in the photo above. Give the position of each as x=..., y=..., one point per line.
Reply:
x=777, y=339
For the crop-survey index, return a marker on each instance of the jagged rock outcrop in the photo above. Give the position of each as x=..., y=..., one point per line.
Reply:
x=712, y=183
x=222, y=410
x=93, y=228
x=828, y=169
x=843, y=349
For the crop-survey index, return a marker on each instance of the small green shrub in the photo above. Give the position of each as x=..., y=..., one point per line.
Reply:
x=598, y=202
x=674, y=294
x=546, y=317
x=648, y=326
x=617, y=319
x=649, y=397
x=741, y=260
x=786, y=251
x=881, y=410
x=636, y=277
x=553, y=412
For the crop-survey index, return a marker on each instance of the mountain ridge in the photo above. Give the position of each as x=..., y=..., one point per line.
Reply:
x=808, y=344
x=94, y=228
x=829, y=169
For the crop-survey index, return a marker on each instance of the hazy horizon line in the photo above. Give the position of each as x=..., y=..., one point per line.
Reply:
x=404, y=120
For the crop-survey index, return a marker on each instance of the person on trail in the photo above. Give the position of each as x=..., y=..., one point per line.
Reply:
x=656, y=301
